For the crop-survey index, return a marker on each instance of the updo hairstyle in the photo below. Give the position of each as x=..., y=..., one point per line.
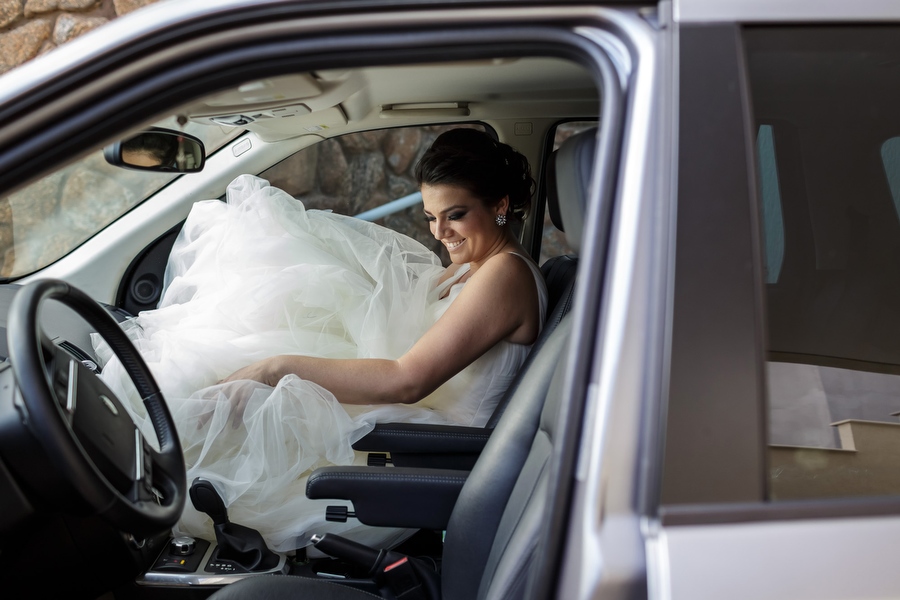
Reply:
x=487, y=169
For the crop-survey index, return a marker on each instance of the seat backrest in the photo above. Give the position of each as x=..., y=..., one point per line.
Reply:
x=568, y=181
x=486, y=515
x=567, y=193
x=569, y=175
x=496, y=521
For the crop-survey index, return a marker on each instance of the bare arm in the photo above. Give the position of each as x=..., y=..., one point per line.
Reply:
x=499, y=302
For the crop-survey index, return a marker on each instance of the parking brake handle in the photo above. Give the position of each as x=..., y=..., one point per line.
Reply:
x=352, y=552
x=405, y=577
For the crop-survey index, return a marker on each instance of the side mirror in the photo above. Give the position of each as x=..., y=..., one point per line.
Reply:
x=159, y=150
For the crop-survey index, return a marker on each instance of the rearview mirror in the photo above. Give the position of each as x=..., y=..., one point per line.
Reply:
x=160, y=150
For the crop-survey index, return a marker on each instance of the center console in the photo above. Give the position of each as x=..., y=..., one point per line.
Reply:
x=189, y=562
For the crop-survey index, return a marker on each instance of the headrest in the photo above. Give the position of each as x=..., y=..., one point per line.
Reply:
x=568, y=181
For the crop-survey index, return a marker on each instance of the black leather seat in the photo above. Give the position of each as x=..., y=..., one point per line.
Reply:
x=493, y=528
x=457, y=447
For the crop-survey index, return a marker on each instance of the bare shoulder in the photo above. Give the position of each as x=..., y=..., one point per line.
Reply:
x=509, y=262
x=507, y=273
x=500, y=297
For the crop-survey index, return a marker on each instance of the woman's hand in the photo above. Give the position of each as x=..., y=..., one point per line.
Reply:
x=234, y=398
x=268, y=371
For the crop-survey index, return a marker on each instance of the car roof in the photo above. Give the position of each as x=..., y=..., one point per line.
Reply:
x=153, y=24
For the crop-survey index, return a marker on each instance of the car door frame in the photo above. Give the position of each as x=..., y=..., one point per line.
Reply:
x=623, y=293
x=715, y=534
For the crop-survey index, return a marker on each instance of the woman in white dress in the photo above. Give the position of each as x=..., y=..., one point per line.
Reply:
x=285, y=334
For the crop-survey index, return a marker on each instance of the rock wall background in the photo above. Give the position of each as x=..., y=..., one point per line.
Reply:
x=29, y=28
x=358, y=172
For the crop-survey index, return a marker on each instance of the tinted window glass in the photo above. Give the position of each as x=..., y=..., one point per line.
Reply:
x=772, y=222
x=829, y=174
x=890, y=157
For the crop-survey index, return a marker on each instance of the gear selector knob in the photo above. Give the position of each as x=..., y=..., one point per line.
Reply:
x=182, y=546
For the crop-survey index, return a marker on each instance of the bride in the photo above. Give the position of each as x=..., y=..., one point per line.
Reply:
x=284, y=334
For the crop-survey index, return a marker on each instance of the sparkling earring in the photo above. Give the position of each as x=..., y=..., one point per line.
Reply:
x=501, y=220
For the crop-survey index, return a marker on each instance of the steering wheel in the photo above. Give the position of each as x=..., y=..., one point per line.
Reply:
x=84, y=429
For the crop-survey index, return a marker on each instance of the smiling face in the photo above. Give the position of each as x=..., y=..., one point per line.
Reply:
x=466, y=227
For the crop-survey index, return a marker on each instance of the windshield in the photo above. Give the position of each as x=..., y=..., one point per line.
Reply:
x=51, y=217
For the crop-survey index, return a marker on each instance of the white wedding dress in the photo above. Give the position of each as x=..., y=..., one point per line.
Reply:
x=258, y=276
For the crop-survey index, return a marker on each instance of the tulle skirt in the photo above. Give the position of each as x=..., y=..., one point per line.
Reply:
x=259, y=276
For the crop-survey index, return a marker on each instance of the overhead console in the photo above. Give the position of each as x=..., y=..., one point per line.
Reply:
x=282, y=107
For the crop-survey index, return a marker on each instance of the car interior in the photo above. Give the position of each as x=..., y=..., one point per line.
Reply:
x=475, y=495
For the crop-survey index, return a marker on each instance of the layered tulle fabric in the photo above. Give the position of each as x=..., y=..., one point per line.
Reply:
x=258, y=276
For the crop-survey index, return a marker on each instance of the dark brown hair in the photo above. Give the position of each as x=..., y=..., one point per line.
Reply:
x=487, y=169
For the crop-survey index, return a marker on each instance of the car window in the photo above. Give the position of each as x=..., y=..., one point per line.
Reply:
x=370, y=175
x=772, y=220
x=54, y=215
x=890, y=159
x=828, y=181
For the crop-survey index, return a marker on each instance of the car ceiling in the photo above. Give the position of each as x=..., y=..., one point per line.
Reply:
x=283, y=107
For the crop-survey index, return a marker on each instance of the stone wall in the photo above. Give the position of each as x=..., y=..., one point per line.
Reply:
x=360, y=171
x=29, y=28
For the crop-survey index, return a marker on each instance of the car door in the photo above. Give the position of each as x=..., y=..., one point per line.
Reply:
x=779, y=474
x=83, y=99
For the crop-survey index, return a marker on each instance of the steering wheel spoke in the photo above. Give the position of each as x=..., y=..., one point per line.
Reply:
x=145, y=457
x=62, y=371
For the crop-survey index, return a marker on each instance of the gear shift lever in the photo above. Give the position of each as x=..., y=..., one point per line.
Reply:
x=242, y=546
